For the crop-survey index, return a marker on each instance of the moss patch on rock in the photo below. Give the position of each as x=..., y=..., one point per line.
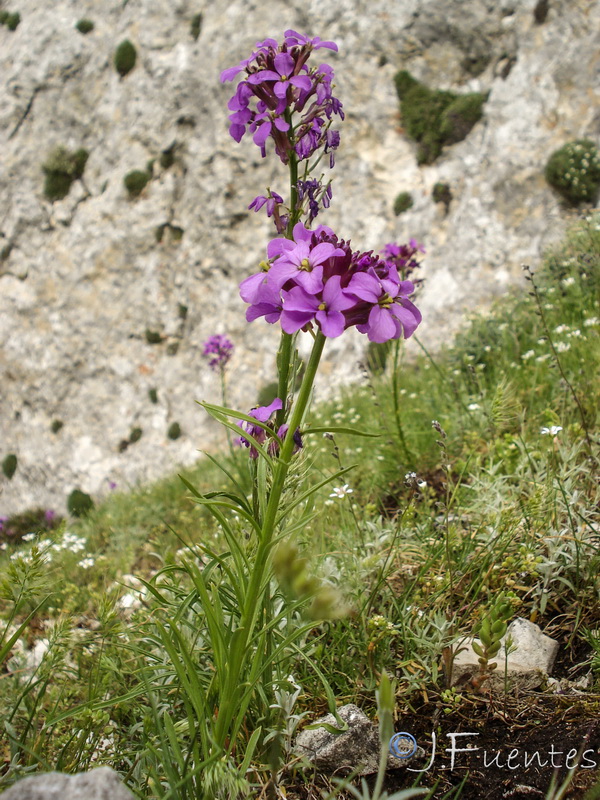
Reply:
x=79, y=504
x=10, y=19
x=196, y=26
x=402, y=203
x=9, y=465
x=174, y=431
x=136, y=181
x=442, y=193
x=61, y=169
x=435, y=118
x=125, y=57
x=85, y=26
x=574, y=171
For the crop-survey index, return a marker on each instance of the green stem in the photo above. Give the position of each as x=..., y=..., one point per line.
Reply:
x=260, y=569
x=226, y=405
x=284, y=355
x=284, y=359
x=410, y=459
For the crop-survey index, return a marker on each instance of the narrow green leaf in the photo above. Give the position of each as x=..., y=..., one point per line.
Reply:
x=340, y=429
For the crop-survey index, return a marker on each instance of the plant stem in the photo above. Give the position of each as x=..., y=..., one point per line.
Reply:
x=284, y=354
x=410, y=459
x=260, y=575
x=557, y=360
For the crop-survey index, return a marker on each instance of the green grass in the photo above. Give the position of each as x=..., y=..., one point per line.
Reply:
x=405, y=566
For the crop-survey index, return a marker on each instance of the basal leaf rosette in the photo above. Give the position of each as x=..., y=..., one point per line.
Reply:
x=316, y=280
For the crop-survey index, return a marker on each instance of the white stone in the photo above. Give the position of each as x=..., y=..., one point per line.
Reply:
x=97, y=784
x=529, y=661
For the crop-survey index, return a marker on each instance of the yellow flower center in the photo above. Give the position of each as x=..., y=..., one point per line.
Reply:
x=322, y=307
x=264, y=266
x=385, y=301
x=305, y=265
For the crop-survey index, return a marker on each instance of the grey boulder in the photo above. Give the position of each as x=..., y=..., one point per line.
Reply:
x=354, y=750
x=98, y=784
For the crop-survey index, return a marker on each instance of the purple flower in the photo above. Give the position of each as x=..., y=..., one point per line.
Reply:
x=300, y=308
x=315, y=278
x=49, y=515
x=314, y=192
x=283, y=75
x=278, y=81
x=391, y=314
x=218, y=349
x=294, y=38
x=403, y=256
x=261, y=414
x=266, y=302
x=282, y=432
x=271, y=201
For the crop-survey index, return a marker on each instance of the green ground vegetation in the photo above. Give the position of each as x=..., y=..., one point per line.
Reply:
x=481, y=484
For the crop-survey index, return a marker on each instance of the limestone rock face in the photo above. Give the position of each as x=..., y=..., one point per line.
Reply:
x=98, y=784
x=84, y=279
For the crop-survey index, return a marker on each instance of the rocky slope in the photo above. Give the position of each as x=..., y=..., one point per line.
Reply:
x=83, y=279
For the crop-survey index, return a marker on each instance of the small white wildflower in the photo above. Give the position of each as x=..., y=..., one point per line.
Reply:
x=503, y=326
x=561, y=328
x=553, y=430
x=542, y=340
x=28, y=537
x=590, y=322
x=545, y=357
x=402, y=391
x=380, y=458
x=421, y=484
x=575, y=333
x=86, y=563
x=562, y=347
x=3, y=546
x=341, y=491
x=473, y=406
x=410, y=476
x=529, y=354
x=412, y=395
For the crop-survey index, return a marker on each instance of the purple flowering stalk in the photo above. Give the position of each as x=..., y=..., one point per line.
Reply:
x=311, y=280
x=289, y=105
x=219, y=349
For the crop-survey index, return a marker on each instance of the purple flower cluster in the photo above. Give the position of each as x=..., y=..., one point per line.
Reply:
x=264, y=414
x=218, y=349
x=279, y=83
x=317, y=279
x=402, y=256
